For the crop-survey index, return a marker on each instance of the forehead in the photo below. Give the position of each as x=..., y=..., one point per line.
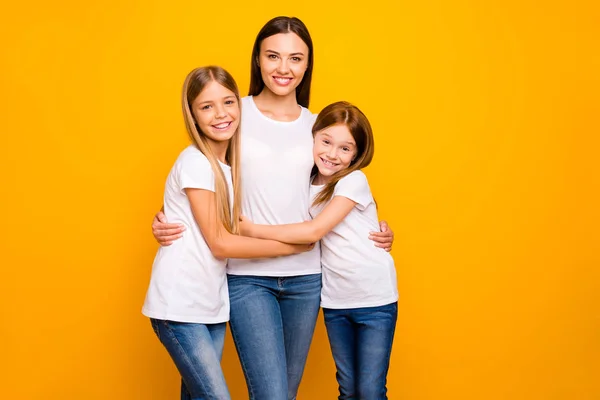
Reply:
x=284, y=43
x=213, y=91
x=338, y=133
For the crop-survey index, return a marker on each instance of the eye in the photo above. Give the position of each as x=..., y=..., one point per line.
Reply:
x=229, y=102
x=206, y=107
x=296, y=59
x=272, y=56
x=346, y=149
x=325, y=141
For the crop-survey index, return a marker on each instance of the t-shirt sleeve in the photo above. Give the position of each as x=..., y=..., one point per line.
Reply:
x=195, y=172
x=356, y=188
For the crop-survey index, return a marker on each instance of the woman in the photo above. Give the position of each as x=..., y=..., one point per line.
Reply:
x=275, y=302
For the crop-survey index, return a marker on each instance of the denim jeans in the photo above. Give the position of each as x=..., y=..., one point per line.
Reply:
x=361, y=344
x=196, y=350
x=272, y=323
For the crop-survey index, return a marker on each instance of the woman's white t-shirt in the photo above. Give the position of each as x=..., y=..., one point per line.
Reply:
x=188, y=284
x=355, y=273
x=276, y=161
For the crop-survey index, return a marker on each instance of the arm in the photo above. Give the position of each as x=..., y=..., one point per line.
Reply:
x=225, y=245
x=163, y=232
x=303, y=232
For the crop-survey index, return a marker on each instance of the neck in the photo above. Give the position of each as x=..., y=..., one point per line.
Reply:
x=321, y=179
x=272, y=101
x=219, y=149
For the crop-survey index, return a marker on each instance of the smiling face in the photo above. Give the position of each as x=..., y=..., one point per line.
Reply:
x=283, y=61
x=217, y=112
x=334, y=150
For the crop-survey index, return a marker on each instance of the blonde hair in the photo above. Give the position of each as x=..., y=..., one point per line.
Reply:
x=344, y=113
x=194, y=84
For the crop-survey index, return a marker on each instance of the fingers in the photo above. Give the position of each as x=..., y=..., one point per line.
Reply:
x=381, y=237
x=386, y=246
x=169, y=232
x=168, y=240
x=383, y=226
x=161, y=217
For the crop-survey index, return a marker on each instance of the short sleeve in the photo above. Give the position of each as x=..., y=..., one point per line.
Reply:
x=356, y=188
x=195, y=172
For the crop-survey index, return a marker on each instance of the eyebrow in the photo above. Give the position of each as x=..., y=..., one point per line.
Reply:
x=291, y=54
x=210, y=101
x=329, y=136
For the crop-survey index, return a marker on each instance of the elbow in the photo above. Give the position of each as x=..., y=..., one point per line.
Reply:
x=218, y=249
x=314, y=235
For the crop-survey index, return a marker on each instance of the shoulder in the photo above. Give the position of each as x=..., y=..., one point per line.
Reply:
x=308, y=116
x=355, y=178
x=247, y=100
x=191, y=156
x=355, y=187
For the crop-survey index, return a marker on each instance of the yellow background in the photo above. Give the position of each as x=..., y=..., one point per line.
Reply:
x=486, y=117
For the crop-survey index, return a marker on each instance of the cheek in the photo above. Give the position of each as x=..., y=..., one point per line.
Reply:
x=202, y=120
x=347, y=159
x=317, y=149
x=299, y=69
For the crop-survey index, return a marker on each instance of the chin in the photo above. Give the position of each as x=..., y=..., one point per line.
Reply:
x=279, y=91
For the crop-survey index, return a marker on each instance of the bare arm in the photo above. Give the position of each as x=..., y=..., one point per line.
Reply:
x=303, y=232
x=226, y=245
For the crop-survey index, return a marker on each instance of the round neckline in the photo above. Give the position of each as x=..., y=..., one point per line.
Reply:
x=224, y=165
x=274, y=120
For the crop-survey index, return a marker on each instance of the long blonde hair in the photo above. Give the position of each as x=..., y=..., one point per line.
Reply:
x=194, y=84
x=344, y=113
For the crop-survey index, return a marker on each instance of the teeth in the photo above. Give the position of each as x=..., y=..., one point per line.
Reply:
x=328, y=163
x=222, y=126
x=283, y=80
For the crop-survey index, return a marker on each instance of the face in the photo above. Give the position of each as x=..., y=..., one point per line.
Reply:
x=217, y=112
x=283, y=60
x=334, y=149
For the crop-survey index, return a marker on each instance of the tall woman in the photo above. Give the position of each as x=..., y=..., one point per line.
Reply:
x=275, y=302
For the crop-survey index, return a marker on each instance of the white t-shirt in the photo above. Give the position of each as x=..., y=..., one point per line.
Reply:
x=355, y=272
x=188, y=283
x=276, y=162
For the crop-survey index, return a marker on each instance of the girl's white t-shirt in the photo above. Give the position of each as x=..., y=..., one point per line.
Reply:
x=188, y=284
x=276, y=161
x=355, y=273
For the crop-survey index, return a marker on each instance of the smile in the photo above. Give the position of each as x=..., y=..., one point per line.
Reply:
x=282, y=81
x=328, y=163
x=222, y=126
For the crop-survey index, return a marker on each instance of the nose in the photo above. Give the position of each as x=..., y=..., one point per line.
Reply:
x=220, y=112
x=332, y=152
x=283, y=67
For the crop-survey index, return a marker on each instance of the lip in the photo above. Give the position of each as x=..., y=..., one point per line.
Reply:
x=282, y=80
x=324, y=162
x=222, y=126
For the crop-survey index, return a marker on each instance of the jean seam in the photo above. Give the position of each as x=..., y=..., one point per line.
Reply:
x=187, y=359
x=242, y=362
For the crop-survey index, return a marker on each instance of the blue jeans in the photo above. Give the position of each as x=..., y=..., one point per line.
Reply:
x=361, y=344
x=272, y=324
x=196, y=350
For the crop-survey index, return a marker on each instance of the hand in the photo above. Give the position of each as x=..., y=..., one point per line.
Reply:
x=245, y=226
x=383, y=239
x=301, y=248
x=163, y=232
